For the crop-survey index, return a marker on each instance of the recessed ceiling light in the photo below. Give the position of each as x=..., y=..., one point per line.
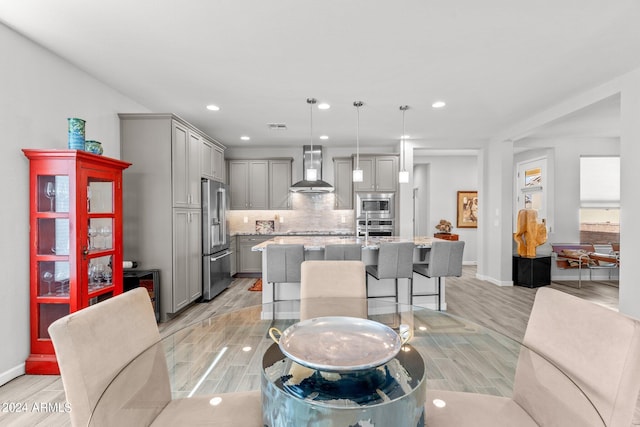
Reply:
x=324, y=106
x=245, y=138
x=324, y=137
x=438, y=104
x=213, y=107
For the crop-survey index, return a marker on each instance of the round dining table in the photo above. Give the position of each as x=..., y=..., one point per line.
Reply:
x=235, y=351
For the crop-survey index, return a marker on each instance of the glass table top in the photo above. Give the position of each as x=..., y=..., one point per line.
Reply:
x=224, y=353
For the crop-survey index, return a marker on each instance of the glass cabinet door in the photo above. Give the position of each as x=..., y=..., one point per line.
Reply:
x=52, y=249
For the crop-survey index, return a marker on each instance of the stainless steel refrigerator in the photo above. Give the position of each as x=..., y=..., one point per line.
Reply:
x=216, y=262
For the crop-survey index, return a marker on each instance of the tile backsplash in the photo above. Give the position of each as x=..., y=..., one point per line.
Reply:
x=311, y=212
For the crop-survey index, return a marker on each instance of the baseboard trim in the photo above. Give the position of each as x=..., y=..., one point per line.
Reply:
x=494, y=281
x=12, y=373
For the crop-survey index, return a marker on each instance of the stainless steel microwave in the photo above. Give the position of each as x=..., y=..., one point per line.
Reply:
x=375, y=205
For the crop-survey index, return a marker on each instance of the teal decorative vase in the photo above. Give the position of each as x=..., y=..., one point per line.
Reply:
x=76, y=133
x=94, y=147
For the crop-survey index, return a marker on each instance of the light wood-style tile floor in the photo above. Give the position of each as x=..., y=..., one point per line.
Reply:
x=504, y=309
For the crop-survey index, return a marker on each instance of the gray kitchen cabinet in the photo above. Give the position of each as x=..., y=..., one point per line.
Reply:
x=343, y=182
x=279, y=183
x=212, y=161
x=233, y=248
x=188, y=256
x=250, y=261
x=160, y=233
x=259, y=183
x=185, y=167
x=380, y=173
x=248, y=184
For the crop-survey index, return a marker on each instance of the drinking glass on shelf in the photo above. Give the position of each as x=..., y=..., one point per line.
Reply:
x=105, y=232
x=98, y=274
x=47, y=276
x=93, y=232
x=50, y=193
x=107, y=275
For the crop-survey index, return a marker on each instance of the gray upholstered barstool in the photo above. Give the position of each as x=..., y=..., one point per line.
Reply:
x=283, y=264
x=395, y=261
x=445, y=260
x=346, y=252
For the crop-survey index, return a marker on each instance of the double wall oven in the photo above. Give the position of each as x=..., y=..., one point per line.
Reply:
x=375, y=214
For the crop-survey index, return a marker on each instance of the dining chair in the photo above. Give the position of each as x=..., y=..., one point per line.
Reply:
x=333, y=288
x=445, y=260
x=94, y=345
x=349, y=251
x=395, y=261
x=283, y=264
x=571, y=346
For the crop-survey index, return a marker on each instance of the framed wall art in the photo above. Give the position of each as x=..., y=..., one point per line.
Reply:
x=467, y=209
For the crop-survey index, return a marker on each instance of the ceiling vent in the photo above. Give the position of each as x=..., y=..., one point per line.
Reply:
x=277, y=126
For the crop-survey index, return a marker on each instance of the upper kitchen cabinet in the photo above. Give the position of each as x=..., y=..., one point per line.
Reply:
x=343, y=182
x=279, y=183
x=259, y=183
x=380, y=173
x=212, y=161
x=162, y=206
x=185, y=167
x=248, y=184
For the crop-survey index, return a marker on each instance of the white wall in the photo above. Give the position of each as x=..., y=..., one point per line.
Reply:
x=39, y=91
x=438, y=180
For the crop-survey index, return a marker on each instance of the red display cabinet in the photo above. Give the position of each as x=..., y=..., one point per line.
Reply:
x=75, y=205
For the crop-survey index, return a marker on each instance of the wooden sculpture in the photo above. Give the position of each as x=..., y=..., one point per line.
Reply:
x=530, y=233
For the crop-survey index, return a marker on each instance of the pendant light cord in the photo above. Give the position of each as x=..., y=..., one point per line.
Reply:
x=357, y=104
x=311, y=102
x=403, y=108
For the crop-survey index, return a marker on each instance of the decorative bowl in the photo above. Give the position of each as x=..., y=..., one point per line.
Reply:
x=94, y=147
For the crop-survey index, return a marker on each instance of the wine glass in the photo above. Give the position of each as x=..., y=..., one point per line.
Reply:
x=50, y=193
x=93, y=232
x=88, y=198
x=105, y=232
x=47, y=276
x=107, y=275
x=99, y=274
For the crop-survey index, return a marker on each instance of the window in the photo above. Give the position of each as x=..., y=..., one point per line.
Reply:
x=600, y=199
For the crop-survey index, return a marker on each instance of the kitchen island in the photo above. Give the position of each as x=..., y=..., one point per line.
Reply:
x=314, y=250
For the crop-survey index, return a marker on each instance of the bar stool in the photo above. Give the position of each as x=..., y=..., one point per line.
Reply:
x=283, y=264
x=395, y=261
x=346, y=252
x=445, y=260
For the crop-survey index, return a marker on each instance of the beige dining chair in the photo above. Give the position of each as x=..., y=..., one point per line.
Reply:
x=95, y=344
x=569, y=342
x=333, y=288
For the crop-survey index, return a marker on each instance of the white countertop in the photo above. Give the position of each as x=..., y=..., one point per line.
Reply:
x=312, y=243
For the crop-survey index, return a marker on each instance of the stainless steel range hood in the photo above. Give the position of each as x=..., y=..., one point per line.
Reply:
x=312, y=159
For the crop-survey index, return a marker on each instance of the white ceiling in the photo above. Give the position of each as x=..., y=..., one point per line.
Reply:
x=495, y=62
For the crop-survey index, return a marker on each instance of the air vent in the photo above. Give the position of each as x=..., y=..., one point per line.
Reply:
x=277, y=126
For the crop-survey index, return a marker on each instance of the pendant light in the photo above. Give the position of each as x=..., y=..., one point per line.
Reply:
x=358, y=176
x=403, y=176
x=311, y=174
